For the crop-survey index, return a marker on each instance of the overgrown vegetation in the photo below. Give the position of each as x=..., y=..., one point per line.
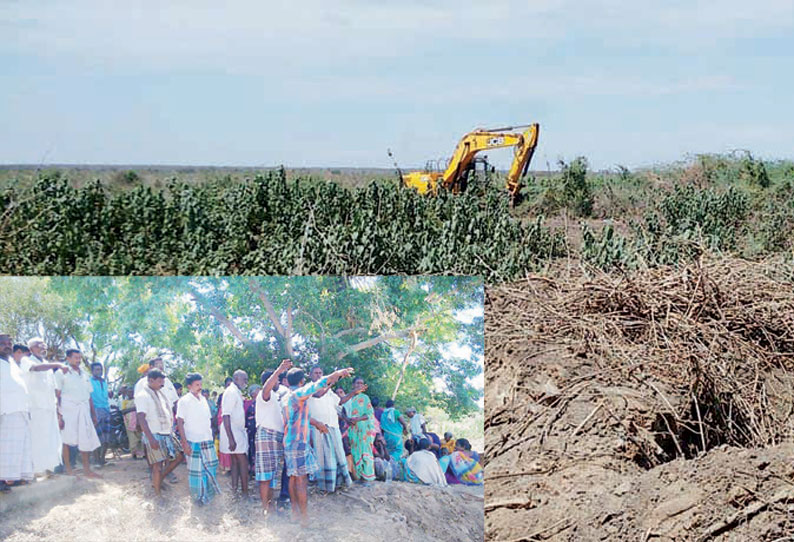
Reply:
x=275, y=224
x=265, y=226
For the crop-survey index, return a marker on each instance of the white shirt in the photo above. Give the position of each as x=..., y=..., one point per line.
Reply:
x=13, y=391
x=416, y=424
x=40, y=384
x=144, y=403
x=74, y=386
x=232, y=405
x=323, y=409
x=268, y=413
x=195, y=413
x=168, y=389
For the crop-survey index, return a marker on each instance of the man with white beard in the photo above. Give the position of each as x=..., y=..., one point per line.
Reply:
x=44, y=416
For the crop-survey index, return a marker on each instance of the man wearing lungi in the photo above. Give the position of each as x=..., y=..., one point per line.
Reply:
x=269, y=440
x=168, y=388
x=99, y=396
x=77, y=412
x=16, y=462
x=156, y=419
x=44, y=416
x=326, y=437
x=234, y=437
x=194, y=421
x=296, y=435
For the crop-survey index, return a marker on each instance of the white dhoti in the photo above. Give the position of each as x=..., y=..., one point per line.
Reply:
x=15, y=447
x=78, y=428
x=240, y=439
x=46, y=439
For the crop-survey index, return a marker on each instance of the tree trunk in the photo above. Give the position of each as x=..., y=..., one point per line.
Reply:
x=369, y=343
x=411, y=348
x=220, y=317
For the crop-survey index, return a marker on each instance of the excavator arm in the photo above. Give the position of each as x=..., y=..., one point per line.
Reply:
x=473, y=143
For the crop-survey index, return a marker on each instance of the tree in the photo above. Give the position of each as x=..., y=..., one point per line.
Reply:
x=395, y=331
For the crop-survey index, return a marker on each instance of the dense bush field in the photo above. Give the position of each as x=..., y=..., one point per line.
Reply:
x=271, y=225
x=266, y=225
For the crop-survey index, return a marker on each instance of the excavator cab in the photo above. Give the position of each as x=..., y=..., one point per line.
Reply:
x=462, y=165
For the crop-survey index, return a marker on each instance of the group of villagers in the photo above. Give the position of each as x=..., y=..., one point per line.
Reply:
x=288, y=434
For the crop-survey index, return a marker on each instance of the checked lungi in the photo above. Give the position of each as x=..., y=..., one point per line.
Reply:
x=300, y=460
x=202, y=468
x=168, y=447
x=331, y=460
x=103, y=424
x=269, y=455
x=16, y=461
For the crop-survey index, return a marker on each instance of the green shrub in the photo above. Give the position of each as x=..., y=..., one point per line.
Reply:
x=754, y=171
x=576, y=190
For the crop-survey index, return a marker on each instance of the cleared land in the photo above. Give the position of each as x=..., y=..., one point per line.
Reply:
x=123, y=504
x=653, y=405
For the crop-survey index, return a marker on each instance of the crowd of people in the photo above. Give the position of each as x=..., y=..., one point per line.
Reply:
x=292, y=429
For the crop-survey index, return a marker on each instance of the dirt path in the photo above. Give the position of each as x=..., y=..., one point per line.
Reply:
x=122, y=506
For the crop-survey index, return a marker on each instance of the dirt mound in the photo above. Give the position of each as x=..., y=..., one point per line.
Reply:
x=123, y=502
x=642, y=407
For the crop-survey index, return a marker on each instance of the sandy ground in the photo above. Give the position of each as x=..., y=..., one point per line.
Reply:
x=122, y=506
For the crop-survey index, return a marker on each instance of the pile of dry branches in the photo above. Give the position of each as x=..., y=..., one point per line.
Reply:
x=718, y=336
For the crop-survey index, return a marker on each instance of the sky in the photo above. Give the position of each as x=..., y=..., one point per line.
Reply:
x=337, y=83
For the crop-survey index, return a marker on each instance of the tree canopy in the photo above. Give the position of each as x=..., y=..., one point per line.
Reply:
x=417, y=339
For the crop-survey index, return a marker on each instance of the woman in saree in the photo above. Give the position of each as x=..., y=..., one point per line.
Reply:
x=462, y=464
x=358, y=409
x=393, y=426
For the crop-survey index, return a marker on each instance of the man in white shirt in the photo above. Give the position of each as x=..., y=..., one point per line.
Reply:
x=168, y=389
x=269, y=440
x=194, y=422
x=234, y=437
x=156, y=420
x=326, y=437
x=417, y=423
x=44, y=417
x=16, y=462
x=78, y=418
x=19, y=351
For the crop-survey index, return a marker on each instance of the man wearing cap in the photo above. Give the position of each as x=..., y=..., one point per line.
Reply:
x=16, y=462
x=44, y=415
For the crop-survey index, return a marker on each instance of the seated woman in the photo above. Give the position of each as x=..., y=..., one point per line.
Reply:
x=462, y=464
x=386, y=467
x=421, y=467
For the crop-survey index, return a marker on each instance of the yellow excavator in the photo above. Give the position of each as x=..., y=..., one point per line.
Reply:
x=463, y=160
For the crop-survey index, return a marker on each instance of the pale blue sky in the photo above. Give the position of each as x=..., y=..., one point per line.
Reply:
x=329, y=83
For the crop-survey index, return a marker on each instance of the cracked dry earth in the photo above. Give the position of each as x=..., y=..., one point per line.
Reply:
x=122, y=506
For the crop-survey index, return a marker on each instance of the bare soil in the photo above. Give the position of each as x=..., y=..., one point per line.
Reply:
x=617, y=407
x=122, y=506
